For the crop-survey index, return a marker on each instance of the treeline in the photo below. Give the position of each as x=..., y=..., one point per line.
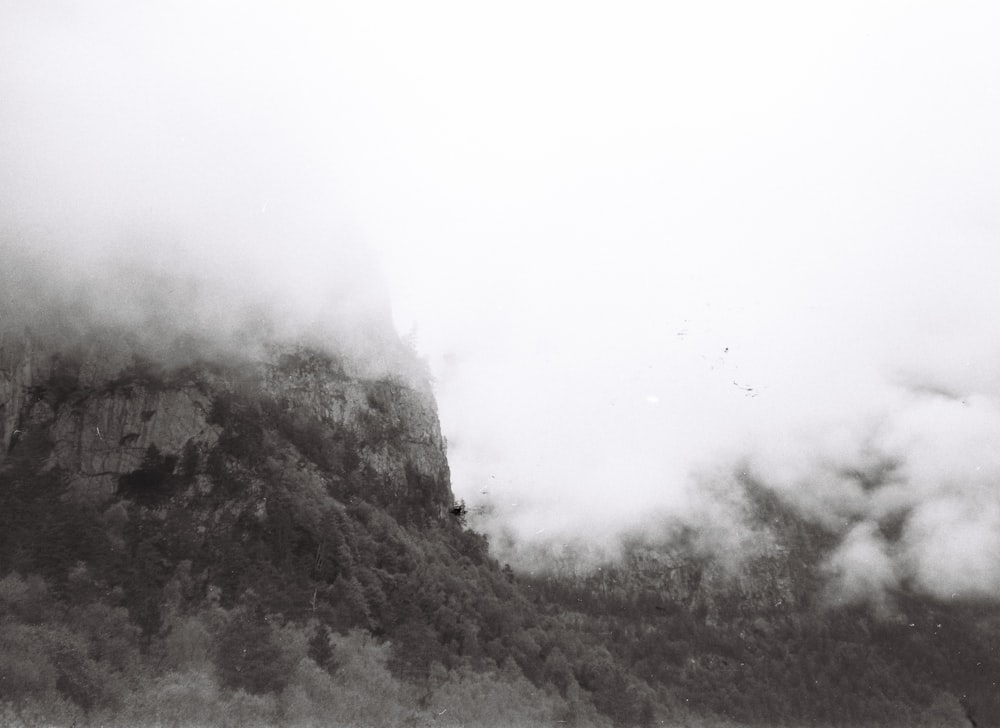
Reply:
x=267, y=582
x=88, y=664
x=237, y=574
x=819, y=667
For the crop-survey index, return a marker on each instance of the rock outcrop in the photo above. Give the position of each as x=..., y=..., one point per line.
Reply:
x=104, y=407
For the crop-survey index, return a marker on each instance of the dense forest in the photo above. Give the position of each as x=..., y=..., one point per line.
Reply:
x=271, y=579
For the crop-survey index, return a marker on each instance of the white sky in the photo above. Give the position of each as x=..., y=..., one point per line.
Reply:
x=633, y=238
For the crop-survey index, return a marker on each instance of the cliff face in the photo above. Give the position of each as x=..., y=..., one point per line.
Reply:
x=121, y=425
x=104, y=408
x=760, y=584
x=229, y=503
x=768, y=564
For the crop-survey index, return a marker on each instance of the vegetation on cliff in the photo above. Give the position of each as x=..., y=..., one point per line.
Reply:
x=303, y=566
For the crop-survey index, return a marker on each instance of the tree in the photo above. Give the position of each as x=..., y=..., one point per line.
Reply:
x=248, y=658
x=320, y=650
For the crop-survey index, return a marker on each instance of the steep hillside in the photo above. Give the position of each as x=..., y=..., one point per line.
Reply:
x=220, y=540
x=105, y=409
x=756, y=636
x=262, y=528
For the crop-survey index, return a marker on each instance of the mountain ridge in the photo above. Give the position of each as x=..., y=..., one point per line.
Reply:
x=278, y=530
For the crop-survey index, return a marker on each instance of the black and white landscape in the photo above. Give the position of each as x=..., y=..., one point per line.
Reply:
x=543, y=364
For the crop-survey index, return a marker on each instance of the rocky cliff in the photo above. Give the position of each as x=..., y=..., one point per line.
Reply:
x=175, y=513
x=105, y=407
x=768, y=563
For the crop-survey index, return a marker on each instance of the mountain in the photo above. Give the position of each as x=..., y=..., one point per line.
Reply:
x=113, y=417
x=201, y=536
x=759, y=637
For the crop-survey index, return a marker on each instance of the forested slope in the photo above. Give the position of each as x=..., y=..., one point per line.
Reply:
x=275, y=542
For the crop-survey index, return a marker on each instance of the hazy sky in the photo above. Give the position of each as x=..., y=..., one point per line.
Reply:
x=636, y=240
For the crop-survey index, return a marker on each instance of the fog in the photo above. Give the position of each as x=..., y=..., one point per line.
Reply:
x=157, y=177
x=639, y=248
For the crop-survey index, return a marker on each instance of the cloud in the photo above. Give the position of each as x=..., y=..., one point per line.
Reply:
x=163, y=171
x=952, y=548
x=861, y=570
x=790, y=285
x=913, y=496
x=638, y=246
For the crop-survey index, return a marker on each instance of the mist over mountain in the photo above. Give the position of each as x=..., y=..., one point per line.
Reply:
x=632, y=280
x=219, y=539
x=702, y=300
